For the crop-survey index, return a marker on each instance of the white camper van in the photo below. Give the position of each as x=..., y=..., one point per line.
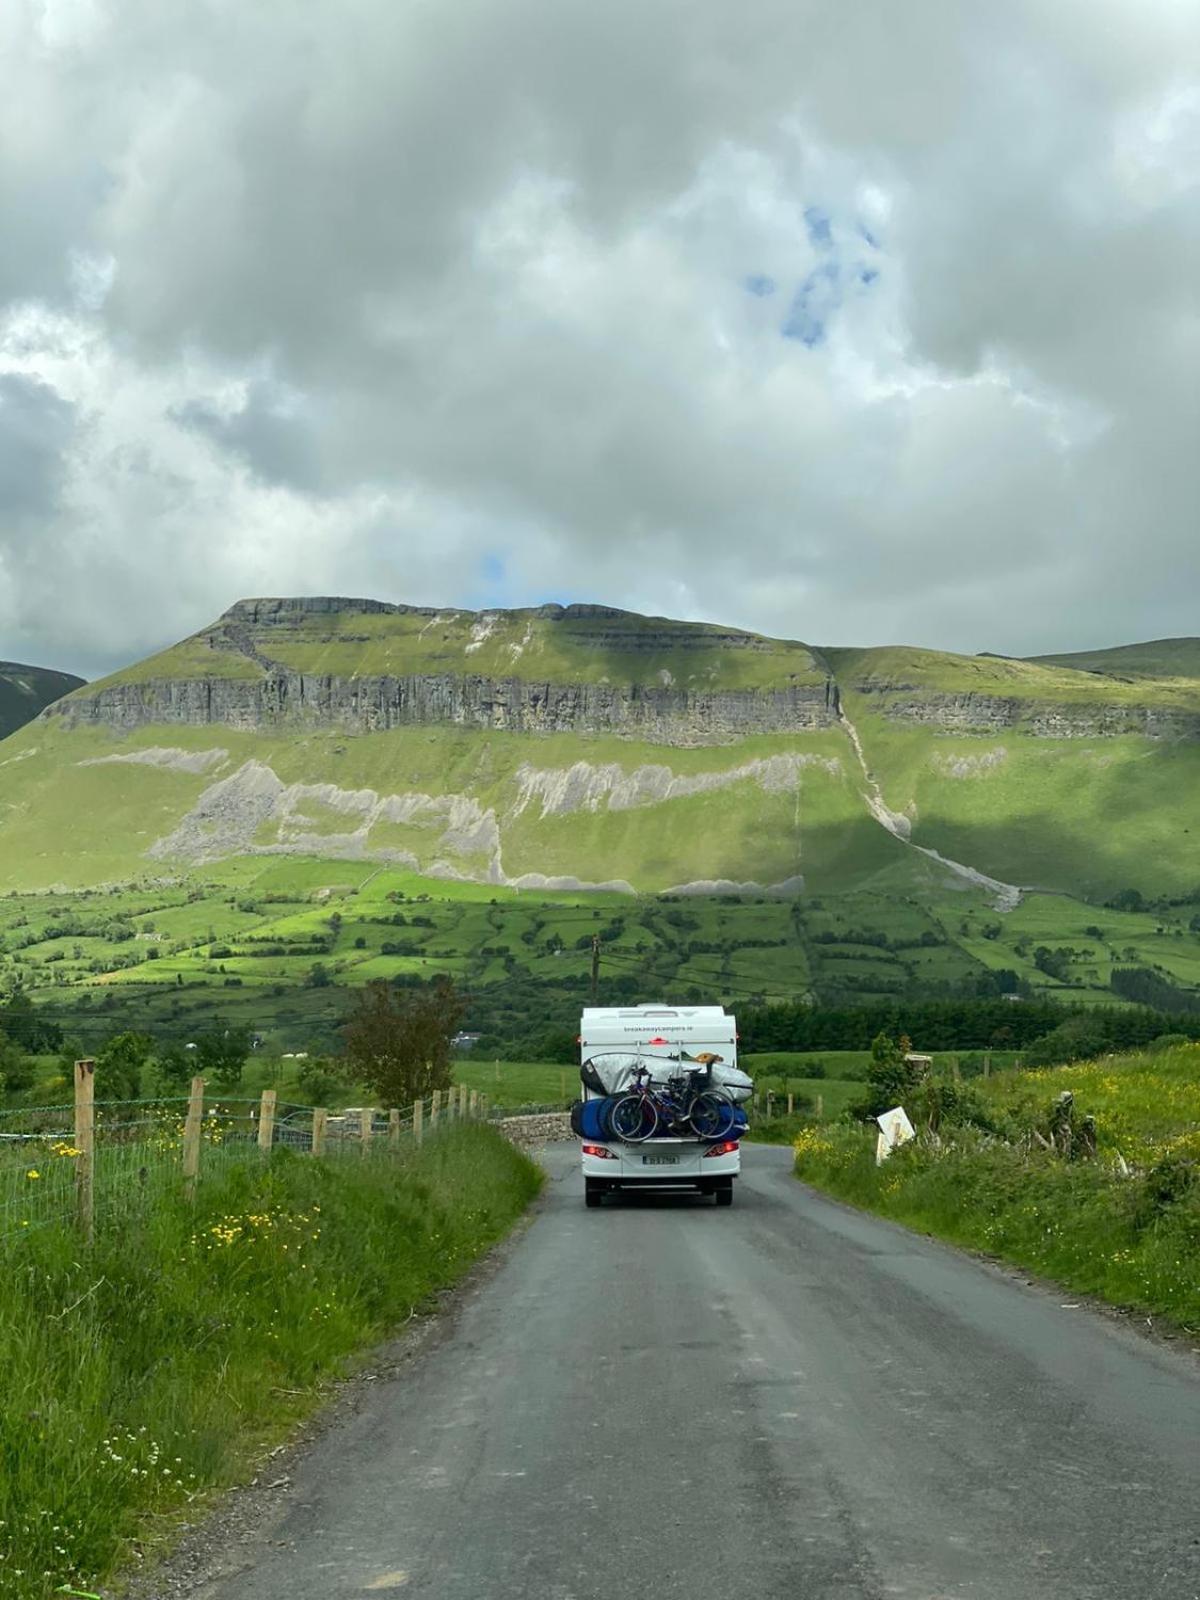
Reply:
x=622, y=1047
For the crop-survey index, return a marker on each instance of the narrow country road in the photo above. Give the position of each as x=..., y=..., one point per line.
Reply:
x=782, y=1401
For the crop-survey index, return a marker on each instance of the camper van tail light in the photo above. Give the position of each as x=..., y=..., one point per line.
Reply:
x=604, y=1155
x=727, y=1147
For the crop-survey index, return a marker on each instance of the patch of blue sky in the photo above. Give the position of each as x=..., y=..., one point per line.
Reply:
x=490, y=584
x=758, y=283
x=820, y=232
x=815, y=301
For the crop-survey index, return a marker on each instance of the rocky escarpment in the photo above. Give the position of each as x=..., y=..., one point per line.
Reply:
x=553, y=669
x=668, y=716
x=982, y=713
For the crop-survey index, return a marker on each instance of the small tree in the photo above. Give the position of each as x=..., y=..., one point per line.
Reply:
x=398, y=1042
x=16, y=1068
x=891, y=1079
x=173, y=1069
x=221, y=1054
x=319, y=1081
x=119, y=1066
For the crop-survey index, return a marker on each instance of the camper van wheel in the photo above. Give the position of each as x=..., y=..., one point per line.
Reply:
x=593, y=1192
x=725, y=1193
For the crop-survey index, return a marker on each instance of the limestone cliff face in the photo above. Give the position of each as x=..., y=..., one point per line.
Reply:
x=979, y=713
x=668, y=716
x=369, y=666
x=275, y=694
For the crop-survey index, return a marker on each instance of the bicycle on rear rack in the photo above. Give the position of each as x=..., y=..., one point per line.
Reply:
x=687, y=1105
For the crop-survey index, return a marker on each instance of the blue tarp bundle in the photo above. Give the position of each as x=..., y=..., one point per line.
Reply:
x=591, y=1120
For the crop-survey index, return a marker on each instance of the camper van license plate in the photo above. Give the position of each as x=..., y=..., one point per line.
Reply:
x=660, y=1161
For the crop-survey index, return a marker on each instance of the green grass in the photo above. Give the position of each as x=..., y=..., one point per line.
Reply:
x=158, y=1364
x=512, y=1084
x=1084, y=816
x=1129, y=1234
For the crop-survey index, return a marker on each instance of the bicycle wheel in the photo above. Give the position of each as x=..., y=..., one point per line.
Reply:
x=633, y=1118
x=710, y=1115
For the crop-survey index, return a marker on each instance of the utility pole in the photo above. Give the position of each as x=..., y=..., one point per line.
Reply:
x=595, y=966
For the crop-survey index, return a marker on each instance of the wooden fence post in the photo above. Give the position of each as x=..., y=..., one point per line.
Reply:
x=820, y=1107
x=366, y=1125
x=435, y=1108
x=419, y=1120
x=474, y=1105
x=320, y=1118
x=191, y=1138
x=266, y=1120
x=955, y=1071
x=562, y=1086
x=987, y=1065
x=394, y=1126
x=85, y=1143
x=791, y=1100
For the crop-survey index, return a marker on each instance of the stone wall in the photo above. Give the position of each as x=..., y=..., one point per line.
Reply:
x=543, y=1127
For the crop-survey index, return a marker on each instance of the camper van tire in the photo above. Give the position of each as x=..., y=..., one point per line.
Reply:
x=593, y=1192
x=725, y=1192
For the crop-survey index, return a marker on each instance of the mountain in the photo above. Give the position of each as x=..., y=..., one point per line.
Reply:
x=25, y=691
x=581, y=745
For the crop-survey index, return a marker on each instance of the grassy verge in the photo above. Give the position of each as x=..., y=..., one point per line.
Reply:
x=149, y=1368
x=1124, y=1226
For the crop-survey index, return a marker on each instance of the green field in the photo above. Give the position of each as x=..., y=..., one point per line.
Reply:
x=278, y=946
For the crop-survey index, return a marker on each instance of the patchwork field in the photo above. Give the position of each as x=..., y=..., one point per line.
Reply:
x=277, y=945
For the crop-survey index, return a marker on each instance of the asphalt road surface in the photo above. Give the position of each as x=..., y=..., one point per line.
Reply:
x=781, y=1401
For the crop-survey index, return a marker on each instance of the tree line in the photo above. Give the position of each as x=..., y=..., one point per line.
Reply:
x=951, y=1025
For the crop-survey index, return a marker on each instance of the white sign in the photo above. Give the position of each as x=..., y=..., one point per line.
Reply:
x=894, y=1130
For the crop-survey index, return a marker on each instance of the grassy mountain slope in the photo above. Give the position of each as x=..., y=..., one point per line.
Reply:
x=1033, y=773
x=1157, y=658
x=583, y=645
x=27, y=691
x=892, y=673
x=82, y=807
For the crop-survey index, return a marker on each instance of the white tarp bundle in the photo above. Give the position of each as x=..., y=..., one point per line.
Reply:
x=615, y=1070
x=894, y=1130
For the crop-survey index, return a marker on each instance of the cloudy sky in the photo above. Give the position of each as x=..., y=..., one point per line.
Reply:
x=848, y=320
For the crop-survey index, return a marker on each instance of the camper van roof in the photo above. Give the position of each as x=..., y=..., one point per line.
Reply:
x=648, y=1013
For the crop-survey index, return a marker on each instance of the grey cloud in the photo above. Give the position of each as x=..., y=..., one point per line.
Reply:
x=35, y=429
x=264, y=432
x=494, y=258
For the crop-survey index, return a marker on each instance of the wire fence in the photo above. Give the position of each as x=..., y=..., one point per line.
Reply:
x=102, y=1164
